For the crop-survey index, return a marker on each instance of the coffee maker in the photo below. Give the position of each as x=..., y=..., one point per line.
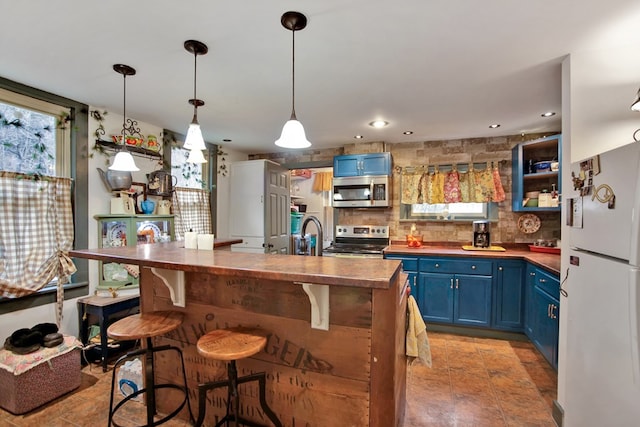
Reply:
x=481, y=234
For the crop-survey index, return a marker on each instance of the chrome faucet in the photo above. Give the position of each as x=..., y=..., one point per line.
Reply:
x=319, y=240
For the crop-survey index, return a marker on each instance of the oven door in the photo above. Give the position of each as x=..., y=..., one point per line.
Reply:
x=351, y=255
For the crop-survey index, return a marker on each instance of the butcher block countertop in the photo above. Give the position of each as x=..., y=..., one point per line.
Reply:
x=550, y=262
x=318, y=270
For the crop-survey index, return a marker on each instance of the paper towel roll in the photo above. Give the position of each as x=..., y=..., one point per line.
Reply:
x=191, y=240
x=205, y=242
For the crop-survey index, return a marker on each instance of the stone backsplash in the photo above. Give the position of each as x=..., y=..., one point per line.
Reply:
x=476, y=150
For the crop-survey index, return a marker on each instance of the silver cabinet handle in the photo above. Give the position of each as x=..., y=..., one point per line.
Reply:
x=532, y=274
x=499, y=268
x=452, y=283
x=414, y=281
x=473, y=267
x=457, y=283
x=543, y=281
x=438, y=266
x=548, y=310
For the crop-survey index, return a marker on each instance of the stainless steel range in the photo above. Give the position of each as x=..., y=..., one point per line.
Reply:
x=358, y=241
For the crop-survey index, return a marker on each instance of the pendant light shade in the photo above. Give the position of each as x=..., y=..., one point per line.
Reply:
x=194, y=140
x=196, y=156
x=123, y=160
x=636, y=105
x=293, y=135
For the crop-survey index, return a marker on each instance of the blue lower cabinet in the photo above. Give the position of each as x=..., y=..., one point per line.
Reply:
x=543, y=311
x=509, y=300
x=455, y=298
x=410, y=267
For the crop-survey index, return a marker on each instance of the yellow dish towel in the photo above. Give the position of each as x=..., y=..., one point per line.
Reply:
x=417, y=341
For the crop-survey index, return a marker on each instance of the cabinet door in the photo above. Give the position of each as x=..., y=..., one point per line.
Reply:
x=472, y=300
x=546, y=314
x=375, y=164
x=509, y=296
x=346, y=165
x=436, y=297
x=409, y=266
x=529, y=312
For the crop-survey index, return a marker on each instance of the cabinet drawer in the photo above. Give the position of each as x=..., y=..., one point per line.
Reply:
x=408, y=263
x=548, y=283
x=456, y=266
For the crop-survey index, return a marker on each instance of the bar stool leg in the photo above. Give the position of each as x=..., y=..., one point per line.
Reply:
x=150, y=383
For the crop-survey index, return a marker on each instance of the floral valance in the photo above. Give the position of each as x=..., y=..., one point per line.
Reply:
x=470, y=183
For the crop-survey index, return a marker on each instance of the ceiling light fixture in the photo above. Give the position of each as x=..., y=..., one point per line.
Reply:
x=293, y=135
x=378, y=124
x=494, y=126
x=123, y=161
x=358, y=137
x=407, y=132
x=548, y=114
x=636, y=104
x=194, y=140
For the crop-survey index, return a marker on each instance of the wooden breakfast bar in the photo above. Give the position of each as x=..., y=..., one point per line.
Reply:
x=335, y=354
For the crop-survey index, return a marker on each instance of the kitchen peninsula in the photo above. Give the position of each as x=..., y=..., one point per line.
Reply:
x=335, y=351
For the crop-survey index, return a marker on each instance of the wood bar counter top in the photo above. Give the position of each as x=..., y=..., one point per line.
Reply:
x=352, y=374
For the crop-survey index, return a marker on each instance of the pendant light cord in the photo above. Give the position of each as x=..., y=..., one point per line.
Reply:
x=124, y=111
x=293, y=76
x=195, y=100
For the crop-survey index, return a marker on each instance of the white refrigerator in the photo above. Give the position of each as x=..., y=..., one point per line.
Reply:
x=601, y=366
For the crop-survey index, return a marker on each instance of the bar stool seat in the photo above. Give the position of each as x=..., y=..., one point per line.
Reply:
x=232, y=344
x=146, y=326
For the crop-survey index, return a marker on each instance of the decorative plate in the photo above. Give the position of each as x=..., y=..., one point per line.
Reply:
x=529, y=223
x=117, y=234
x=150, y=226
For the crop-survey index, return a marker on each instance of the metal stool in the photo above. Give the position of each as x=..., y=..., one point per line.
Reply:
x=147, y=326
x=232, y=344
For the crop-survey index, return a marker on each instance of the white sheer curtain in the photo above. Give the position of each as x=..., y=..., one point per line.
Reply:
x=36, y=234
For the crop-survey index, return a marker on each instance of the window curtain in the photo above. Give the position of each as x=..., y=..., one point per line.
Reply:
x=192, y=209
x=36, y=234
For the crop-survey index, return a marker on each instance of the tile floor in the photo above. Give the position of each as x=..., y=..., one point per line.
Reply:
x=474, y=382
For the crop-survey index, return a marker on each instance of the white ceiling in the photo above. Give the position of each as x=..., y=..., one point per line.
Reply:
x=444, y=69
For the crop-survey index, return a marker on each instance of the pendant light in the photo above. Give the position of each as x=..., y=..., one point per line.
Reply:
x=123, y=161
x=293, y=135
x=636, y=104
x=194, y=140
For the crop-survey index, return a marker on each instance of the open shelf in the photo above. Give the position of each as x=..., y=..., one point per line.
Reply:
x=141, y=151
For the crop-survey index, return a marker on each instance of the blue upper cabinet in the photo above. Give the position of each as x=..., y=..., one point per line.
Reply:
x=362, y=164
x=536, y=167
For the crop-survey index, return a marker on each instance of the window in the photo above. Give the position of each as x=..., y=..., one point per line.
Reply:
x=34, y=136
x=189, y=175
x=71, y=147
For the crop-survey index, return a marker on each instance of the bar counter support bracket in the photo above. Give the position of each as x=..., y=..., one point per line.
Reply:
x=319, y=299
x=174, y=280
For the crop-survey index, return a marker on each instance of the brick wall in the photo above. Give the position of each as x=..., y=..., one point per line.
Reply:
x=475, y=150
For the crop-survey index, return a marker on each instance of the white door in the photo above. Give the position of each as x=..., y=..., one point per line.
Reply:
x=277, y=209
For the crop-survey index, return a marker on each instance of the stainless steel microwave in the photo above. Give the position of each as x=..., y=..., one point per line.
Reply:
x=362, y=192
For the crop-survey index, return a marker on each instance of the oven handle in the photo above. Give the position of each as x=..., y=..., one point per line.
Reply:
x=373, y=202
x=351, y=255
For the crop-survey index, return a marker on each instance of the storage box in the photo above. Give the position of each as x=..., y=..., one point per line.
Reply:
x=31, y=380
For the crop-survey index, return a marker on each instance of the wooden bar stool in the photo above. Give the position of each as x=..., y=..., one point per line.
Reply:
x=146, y=326
x=232, y=344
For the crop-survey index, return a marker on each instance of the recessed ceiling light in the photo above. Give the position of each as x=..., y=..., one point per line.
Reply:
x=378, y=123
x=548, y=114
x=493, y=126
x=358, y=137
x=226, y=140
x=408, y=132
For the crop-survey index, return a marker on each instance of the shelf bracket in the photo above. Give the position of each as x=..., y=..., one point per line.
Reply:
x=174, y=280
x=319, y=299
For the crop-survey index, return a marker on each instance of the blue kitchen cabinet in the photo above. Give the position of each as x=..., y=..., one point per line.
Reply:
x=409, y=266
x=530, y=282
x=543, y=312
x=525, y=178
x=362, y=164
x=455, y=290
x=509, y=299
